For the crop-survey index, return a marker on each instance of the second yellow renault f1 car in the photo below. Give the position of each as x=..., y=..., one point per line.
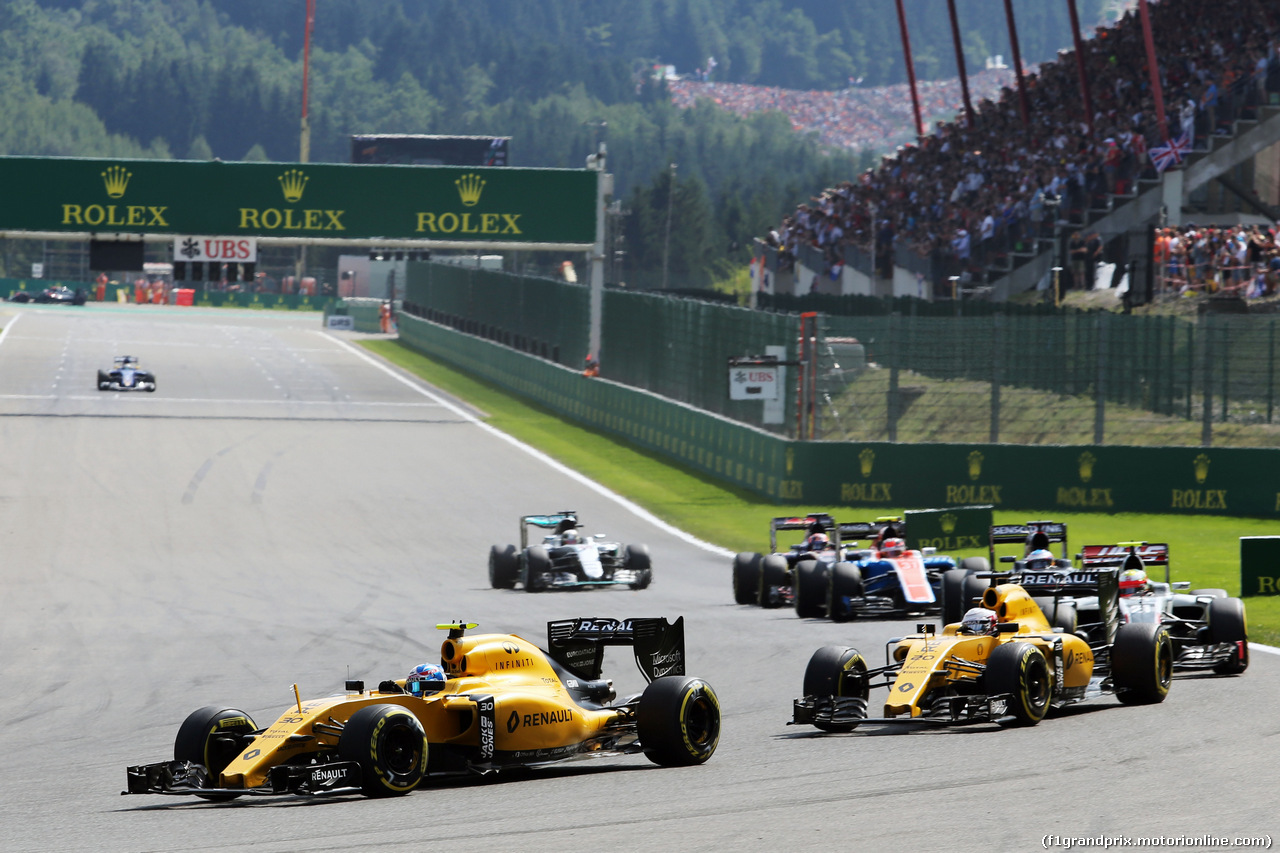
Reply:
x=499, y=702
x=1010, y=673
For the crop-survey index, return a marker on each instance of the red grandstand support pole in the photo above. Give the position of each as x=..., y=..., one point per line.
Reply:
x=911, y=70
x=304, y=153
x=1023, y=107
x=1085, y=95
x=1153, y=68
x=964, y=75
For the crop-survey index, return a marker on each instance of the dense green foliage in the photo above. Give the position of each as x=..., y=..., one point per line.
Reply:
x=222, y=78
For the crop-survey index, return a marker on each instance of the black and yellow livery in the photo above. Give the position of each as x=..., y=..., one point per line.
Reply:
x=505, y=703
x=1011, y=677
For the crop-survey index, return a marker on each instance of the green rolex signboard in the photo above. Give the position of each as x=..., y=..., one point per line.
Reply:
x=447, y=204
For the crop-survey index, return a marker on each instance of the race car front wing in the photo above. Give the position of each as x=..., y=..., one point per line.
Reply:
x=186, y=778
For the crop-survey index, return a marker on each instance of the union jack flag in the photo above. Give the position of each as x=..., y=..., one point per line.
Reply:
x=1171, y=153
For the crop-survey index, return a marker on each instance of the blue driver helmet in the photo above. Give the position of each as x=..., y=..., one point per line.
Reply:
x=1039, y=560
x=425, y=678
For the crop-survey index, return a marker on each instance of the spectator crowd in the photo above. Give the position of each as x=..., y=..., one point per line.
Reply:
x=967, y=193
x=1240, y=259
x=853, y=118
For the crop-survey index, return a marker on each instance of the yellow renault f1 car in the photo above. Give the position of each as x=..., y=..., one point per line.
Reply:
x=504, y=703
x=1010, y=675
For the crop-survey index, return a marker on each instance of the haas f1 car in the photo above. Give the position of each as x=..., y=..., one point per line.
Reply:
x=126, y=375
x=828, y=575
x=1002, y=663
x=497, y=701
x=1208, y=628
x=567, y=559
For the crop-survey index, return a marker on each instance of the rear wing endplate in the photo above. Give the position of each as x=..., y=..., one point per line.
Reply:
x=578, y=644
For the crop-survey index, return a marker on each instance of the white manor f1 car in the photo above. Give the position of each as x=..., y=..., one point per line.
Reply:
x=126, y=375
x=567, y=558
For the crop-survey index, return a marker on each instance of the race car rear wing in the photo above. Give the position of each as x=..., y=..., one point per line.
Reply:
x=1033, y=535
x=1150, y=553
x=552, y=521
x=578, y=644
x=847, y=531
x=1104, y=582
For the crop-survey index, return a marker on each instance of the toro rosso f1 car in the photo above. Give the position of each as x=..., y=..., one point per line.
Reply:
x=500, y=702
x=567, y=559
x=1208, y=628
x=126, y=375
x=1009, y=670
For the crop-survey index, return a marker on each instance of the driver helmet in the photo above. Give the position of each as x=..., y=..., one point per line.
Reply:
x=818, y=542
x=979, y=620
x=892, y=547
x=570, y=537
x=1133, y=582
x=425, y=678
x=1040, y=559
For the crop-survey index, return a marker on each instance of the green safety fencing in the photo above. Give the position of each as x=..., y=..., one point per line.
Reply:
x=731, y=451
x=1239, y=481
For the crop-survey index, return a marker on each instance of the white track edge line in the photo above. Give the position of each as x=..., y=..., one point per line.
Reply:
x=630, y=506
x=13, y=321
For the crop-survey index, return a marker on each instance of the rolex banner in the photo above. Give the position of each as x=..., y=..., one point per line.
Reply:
x=441, y=204
x=957, y=528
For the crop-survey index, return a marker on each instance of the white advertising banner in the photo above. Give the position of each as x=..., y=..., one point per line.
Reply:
x=753, y=382
x=224, y=250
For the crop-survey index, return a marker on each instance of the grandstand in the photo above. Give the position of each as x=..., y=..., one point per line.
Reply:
x=989, y=210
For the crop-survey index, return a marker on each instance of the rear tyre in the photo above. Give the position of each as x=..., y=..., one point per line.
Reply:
x=811, y=588
x=211, y=737
x=678, y=721
x=975, y=564
x=637, y=560
x=846, y=582
x=773, y=574
x=1227, y=625
x=1020, y=671
x=537, y=565
x=504, y=566
x=836, y=671
x=1059, y=614
x=1142, y=663
x=390, y=745
x=953, y=595
x=746, y=578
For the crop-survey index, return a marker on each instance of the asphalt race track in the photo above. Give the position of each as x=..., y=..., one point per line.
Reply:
x=284, y=509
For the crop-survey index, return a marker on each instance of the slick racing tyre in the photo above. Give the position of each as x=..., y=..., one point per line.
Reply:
x=1142, y=663
x=537, y=565
x=975, y=564
x=773, y=574
x=104, y=381
x=811, y=588
x=1020, y=672
x=836, y=671
x=504, y=566
x=678, y=721
x=636, y=559
x=959, y=589
x=746, y=578
x=845, y=583
x=389, y=744
x=1227, y=625
x=211, y=737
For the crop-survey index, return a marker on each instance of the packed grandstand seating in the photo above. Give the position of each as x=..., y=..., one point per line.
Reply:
x=1240, y=259
x=966, y=195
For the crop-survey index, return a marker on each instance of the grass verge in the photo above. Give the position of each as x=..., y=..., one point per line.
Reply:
x=1205, y=550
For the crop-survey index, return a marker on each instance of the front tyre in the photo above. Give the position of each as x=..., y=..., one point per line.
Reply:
x=846, y=583
x=537, y=565
x=836, y=671
x=678, y=721
x=1020, y=672
x=773, y=575
x=504, y=566
x=636, y=559
x=1227, y=625
x=1142, y=663
x=212, y=737
x=389, y=744
x=746, y=578
x=811, y=588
